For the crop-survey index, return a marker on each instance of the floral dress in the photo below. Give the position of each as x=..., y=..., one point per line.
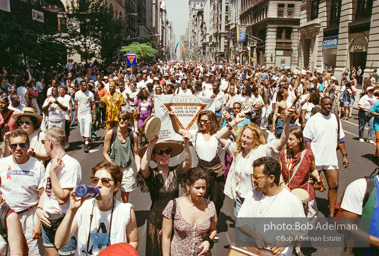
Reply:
x=188, y=238
x=160, y=196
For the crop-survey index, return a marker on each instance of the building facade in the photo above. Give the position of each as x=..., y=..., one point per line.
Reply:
x=195, y=9
x=339, y=34
x=272, y=32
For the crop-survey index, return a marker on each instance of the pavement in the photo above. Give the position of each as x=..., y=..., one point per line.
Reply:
x=360, y=156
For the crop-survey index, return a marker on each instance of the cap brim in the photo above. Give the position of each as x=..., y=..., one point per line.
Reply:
x=17, y=116
x=176, y=148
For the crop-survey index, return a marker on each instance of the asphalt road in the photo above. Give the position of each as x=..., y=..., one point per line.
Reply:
x=361, y=163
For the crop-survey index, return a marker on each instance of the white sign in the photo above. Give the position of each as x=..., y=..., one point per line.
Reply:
x=37, y=15
x=5, y=6
x=186, y=109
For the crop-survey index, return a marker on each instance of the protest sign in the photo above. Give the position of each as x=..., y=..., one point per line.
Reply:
x=186, y=109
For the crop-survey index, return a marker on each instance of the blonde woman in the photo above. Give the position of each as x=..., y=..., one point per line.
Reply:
x=249, y=146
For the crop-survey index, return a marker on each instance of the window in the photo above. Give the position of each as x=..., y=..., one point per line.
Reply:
x=283, y=33
x=280, y=10
x=314, y=9
x=335, y=10
x=364, y=8
x=290, y=10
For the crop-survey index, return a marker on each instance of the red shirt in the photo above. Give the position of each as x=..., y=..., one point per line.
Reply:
x=10, y=125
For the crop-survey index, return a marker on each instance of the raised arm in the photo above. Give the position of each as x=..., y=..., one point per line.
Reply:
x=175, y=124
x=188, y=157
x=145, y=161
x=279, y=143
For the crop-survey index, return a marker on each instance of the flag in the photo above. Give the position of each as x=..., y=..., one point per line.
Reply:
x=241, y=33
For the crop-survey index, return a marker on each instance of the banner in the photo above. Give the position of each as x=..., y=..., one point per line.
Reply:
x=330, y=42
x=241, y=33
x=186, y=109
x=5, y=5
x=37, y=15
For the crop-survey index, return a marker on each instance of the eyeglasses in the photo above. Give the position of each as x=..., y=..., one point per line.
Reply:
x=104, y=181
x=160, y=151
x=203, y=121
x=258, y=179
x=22, y=145
x=24, y=122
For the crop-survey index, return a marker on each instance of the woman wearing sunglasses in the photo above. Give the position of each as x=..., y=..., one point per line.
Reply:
x=102, y=221
x=162, y=183
x=29, y=122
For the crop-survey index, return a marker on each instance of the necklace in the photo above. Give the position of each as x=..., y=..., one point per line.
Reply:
x=267, y=206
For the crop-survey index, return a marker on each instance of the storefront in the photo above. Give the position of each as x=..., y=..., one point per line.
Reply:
x=358, y=50
x=329, y=51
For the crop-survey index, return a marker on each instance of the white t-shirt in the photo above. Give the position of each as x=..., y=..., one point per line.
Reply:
x=55, y=112
x=322, y=132
x=36, y=141
x=257, y=205
x=69, y=176
x=21, y=91
x=219, y=101
x=141, y=84
x=180, y=91
x=67, y=100
x=84, y=100
x=207, y=89
x=367, y=101
x=308, y=107
x=354, y=195
x=20, y=182
x=244, y=166
x=100, y=226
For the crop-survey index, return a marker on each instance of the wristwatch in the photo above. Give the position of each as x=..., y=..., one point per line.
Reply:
x=344, y=155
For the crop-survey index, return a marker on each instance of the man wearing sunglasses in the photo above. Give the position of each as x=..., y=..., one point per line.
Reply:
x=63, y=173
x=21, y=185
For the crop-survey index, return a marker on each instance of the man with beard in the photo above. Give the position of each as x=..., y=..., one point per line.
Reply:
x=323, y=133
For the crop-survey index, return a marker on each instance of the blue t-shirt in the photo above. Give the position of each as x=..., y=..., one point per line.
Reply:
x=375, y=108
x=239, y=126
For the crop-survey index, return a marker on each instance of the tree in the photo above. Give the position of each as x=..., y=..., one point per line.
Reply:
x=144, y=51
x=91, y=30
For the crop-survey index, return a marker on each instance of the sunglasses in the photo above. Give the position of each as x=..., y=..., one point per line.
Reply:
x=160, y=151
x=203, y=121
x=104, y=181
x=24, y=122
x=22, y=145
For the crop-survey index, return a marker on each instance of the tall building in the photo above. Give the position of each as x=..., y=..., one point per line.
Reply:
x=131, y=9
x=339, y=34
x=231, y=26
x=143, y=29
x=272, y=31
x=194, y=7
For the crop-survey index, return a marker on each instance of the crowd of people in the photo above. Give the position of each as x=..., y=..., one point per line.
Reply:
x=279, y=128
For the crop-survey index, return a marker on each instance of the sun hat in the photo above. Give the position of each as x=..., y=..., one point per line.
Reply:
x=28, y=111
x=176, y=148
x=370, y=88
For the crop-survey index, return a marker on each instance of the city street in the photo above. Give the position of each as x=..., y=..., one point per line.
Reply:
x=361, y=163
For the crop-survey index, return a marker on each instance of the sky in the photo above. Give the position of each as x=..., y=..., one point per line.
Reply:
x=178, y=13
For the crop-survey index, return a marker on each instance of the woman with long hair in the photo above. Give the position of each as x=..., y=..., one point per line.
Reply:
x=207, y=149
x=298, y=164
x=249, y=146
x=192, y=218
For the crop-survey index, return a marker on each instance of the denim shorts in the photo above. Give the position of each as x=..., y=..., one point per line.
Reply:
x=48, y=236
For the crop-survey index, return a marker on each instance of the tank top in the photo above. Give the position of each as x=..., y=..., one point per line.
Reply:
x=121, y=152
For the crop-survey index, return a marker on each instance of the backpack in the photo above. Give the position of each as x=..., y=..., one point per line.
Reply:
x=370, y=187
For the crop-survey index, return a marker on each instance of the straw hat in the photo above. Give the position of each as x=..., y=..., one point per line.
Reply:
x=28, y=111
x=176, y=148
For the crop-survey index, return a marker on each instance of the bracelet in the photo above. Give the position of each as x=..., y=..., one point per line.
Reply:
x=344, y=155
x=34, y=154
x=211, y=243
x=229, y=127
